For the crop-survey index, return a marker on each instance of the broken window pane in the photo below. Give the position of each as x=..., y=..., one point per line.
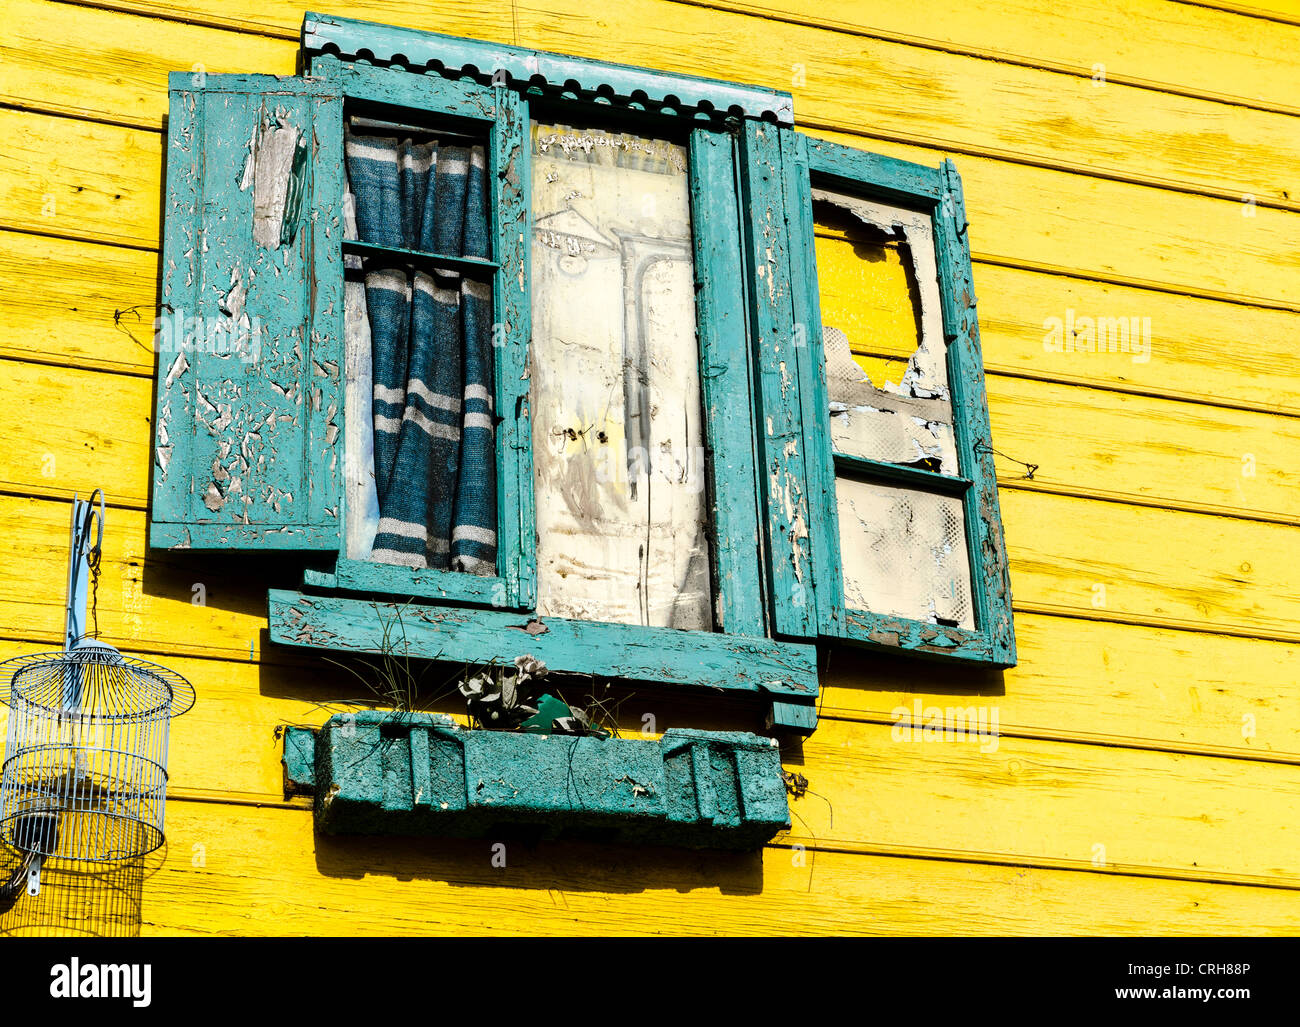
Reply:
x=904, y=553
x=886, y=357
x=618, y=444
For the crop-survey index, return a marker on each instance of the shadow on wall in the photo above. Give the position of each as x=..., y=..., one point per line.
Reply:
x=868, y=671
x=537, y=867
x=80, y=900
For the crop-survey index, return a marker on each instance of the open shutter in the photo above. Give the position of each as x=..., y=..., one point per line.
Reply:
x=905, y=537
x=249, y=404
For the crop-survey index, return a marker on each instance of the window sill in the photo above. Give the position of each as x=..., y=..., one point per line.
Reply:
x=782, y=674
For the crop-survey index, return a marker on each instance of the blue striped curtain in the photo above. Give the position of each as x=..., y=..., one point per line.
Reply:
x=431, y=333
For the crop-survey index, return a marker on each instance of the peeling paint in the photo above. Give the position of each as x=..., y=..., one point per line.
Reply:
x=274, y=170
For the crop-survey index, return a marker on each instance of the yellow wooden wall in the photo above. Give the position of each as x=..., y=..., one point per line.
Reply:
x=1153, y=554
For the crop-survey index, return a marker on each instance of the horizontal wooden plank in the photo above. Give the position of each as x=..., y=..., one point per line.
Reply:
x=1201, y=350
x=1108, y=683
x=240, y=871
x=1087, y=558
x=126, y=57
x=1027, y=216
x=1036, y=801
x=80, y=179
x=1137, y=449
x=1278, y=11
x=1125, y=447
x=83, y=304
x=66, y=316
x=839, y=81
x=67, y=428
x=1179, y=49
x=1161, y=567
x=1115, y=231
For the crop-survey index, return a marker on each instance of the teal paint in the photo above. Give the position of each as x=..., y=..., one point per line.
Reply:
x=452, y=98
x=898, y=181
x=786, y=515
x=792, y=718
x=613, y=84
x=299, y=761
x=819, y=467
x=912, y=477
x=774, y=670
x=421, y=774
x=517, y=543
x=248, y=447
x=990, y=576
x=938, y=191
x=725, y=370
x=407, y=582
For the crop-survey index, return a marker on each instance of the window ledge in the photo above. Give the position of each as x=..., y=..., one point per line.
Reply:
x=384, y=773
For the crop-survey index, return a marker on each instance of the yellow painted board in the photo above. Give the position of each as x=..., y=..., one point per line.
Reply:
x=111, y=66
x=66, y=429
x=66, y=316
x=1108, y=684
x=1280, y=11
x=65, y=311
x=845, y=81
x=103, y=182
x=232, y=870
x=1171, y=568
x=80, y=179
x=1115, y=231
x=1094, y=559
x=1135, y=448
x=492, y=19
x=1086, y=442
x=1163, y=45
x=1200, y=349
x=1098, y=682
x=1036, y=801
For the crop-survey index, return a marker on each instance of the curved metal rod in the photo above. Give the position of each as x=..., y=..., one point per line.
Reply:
x=18, y=879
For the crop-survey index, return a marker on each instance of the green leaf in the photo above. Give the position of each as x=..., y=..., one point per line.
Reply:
x=549, y=709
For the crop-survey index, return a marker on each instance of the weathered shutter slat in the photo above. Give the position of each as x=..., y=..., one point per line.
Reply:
x=249, y=401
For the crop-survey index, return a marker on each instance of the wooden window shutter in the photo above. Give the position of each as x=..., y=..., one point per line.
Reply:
x=249, y=408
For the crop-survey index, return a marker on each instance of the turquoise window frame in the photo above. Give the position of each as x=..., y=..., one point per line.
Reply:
x=776, y=571
x=787, y=163
x=478, y=620
x=497, y=112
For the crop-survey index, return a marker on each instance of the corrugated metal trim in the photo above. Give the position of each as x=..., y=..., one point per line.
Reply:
x=616, y=84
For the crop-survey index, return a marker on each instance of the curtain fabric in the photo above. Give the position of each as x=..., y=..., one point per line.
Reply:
x=434, y=446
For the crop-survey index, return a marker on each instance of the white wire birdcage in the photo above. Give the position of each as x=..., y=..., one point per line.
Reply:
x=85, y=769
x=84, y=777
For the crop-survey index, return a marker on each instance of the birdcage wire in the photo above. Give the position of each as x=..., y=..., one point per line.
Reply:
x=85, y=770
